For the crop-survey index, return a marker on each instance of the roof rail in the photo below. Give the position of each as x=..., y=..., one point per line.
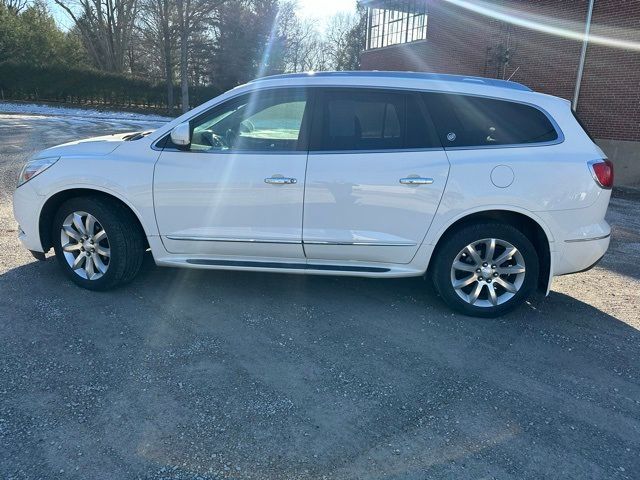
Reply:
x=492, y=82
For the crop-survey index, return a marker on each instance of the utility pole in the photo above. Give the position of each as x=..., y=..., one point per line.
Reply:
x=583, y=56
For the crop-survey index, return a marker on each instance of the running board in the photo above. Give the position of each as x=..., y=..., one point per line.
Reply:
x=288, y=266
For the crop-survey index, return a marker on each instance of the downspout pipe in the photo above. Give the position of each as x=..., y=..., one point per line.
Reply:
x=583, y=56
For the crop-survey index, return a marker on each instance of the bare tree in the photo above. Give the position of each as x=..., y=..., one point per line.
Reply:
x=106, y=27
x=337, y=48
x=15, y=6
x=305, y=49
x=337, y=38
x=193, y=16
x=158, y=24
x=304, y=46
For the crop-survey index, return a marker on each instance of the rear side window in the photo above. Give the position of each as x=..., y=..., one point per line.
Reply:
x=360, y=119
x=468, y=121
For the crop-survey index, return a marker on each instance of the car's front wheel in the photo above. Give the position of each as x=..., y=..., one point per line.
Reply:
x=486, y=269
x=98, y=243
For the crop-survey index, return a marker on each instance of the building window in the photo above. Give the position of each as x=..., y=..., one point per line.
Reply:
x=396, y=21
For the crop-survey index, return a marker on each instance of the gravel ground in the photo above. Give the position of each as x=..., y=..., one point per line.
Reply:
x=191, y=374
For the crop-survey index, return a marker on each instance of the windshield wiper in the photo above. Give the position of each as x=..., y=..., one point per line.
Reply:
x=136, y=136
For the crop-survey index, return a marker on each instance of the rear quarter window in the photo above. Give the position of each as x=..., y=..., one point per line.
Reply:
x=468, y=121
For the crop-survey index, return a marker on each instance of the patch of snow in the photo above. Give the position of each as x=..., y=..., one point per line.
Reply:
x=34, y=109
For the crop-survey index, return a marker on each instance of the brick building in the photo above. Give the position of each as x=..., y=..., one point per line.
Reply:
x=537, y=43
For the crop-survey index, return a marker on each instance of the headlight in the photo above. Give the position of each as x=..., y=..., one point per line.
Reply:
x=35, y=167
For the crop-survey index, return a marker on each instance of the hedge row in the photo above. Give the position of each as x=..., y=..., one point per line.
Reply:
x=20, y=81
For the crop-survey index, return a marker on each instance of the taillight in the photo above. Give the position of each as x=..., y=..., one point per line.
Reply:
x=602, y=171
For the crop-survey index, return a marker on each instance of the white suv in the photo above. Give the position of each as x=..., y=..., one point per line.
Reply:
x=487, y=187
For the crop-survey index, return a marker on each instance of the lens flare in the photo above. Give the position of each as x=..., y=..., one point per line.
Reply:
x=541, y=23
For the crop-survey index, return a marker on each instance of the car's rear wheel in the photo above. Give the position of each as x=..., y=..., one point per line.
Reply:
x=486, y=269
x=98, y=243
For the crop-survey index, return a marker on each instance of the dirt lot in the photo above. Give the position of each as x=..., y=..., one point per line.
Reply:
x=186, y=375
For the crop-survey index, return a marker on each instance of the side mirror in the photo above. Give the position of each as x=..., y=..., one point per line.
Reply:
x=181, y=135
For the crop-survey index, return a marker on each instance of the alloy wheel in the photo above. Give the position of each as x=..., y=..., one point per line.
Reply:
x=85, y=245
x=488, y=272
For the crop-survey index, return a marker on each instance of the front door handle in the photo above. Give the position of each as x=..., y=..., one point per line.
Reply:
x=416, y=181
x=280, y=181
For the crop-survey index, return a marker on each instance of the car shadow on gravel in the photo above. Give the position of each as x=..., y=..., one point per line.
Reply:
x=190, y=373
x=345, y=296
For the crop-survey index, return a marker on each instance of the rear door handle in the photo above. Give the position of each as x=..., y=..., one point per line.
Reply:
x=416, y=181
x=280, y=181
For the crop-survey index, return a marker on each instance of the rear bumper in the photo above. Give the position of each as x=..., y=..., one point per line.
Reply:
x=580, y=236
x=580, y=255
x=589, y=267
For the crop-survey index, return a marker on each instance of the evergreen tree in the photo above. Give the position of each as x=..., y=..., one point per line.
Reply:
x=248, y=43
x=32, y=36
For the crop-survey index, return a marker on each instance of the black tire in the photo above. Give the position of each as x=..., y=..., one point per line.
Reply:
x=447, y=252
x=125, y=240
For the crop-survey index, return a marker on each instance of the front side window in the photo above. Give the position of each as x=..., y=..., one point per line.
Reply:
x=468, y=121
x=361, y=119
x=261, y=121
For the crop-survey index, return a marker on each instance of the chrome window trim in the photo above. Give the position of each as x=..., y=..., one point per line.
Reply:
x=561, y=137
x=235, y=152
x=310, y=152
x=510, y=145
x=390, y=150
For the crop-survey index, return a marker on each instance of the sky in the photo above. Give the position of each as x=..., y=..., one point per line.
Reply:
x=324, y=9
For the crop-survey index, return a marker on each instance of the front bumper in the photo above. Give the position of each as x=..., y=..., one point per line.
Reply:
x=27, y=205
